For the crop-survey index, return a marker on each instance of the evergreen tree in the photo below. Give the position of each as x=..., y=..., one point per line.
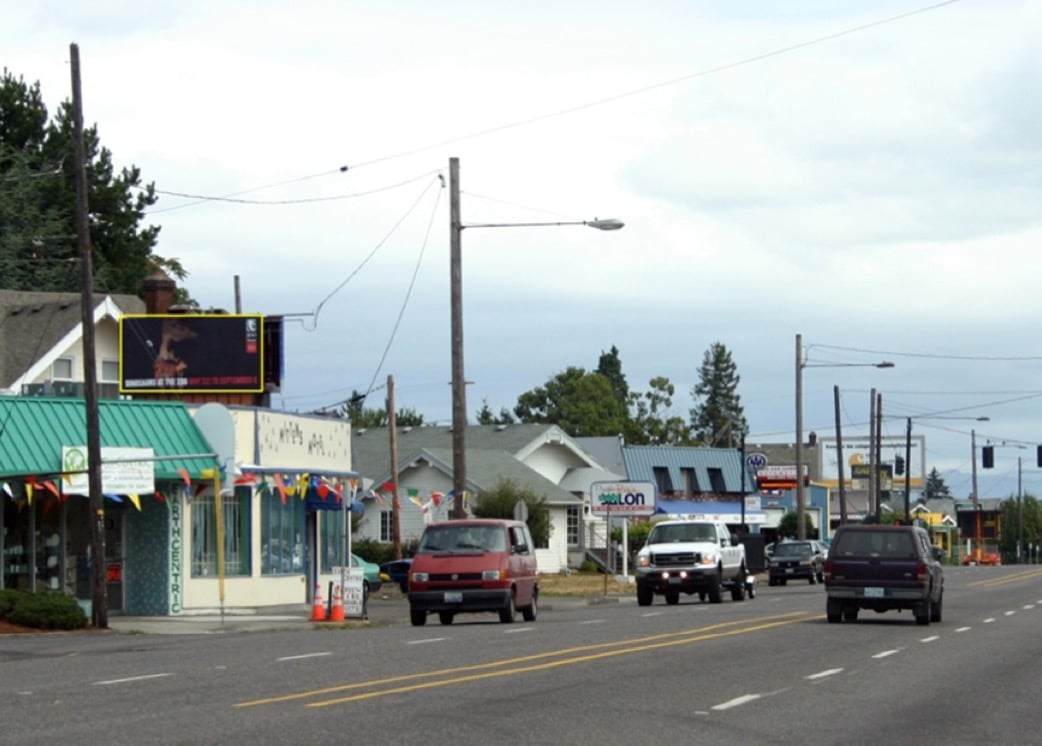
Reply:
x=935, y=486
x=717, y=417
x=38, y=248
x=485, y=415
x=610, y=366
x=653, y=421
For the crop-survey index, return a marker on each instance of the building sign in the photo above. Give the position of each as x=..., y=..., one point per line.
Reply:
x=622, y=498
x=200, y=353
x=856, y=453
x=780, y=477
x=124, y=471
x=176, y=544
x=860, y=475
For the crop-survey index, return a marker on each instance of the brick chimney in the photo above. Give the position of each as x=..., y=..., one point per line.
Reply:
x=159, y=293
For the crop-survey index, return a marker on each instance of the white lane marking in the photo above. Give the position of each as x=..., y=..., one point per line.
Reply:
x=823, y=674
x=1011, y=613
x=652, y=613
x=886, y=653
x=1028, y=607
x=963, y=629
x=424, y=642
x=515, y=630
x=130, y=679
x=931, y=638
x=594, y=621
x=301, y=657
x=989, y=620
x=737, y=701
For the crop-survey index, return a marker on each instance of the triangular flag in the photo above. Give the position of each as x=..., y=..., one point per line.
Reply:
x=281, y=488
x=416, y=501
x=114, y=498
x=7, y=490
x=29, y=492
x=136, y=499
x=159, y=496
x=437, y=498
x=50, y=486
x=413, y=492
x=184, y=476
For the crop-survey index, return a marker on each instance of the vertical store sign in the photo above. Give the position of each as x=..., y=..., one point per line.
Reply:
x=176, y=553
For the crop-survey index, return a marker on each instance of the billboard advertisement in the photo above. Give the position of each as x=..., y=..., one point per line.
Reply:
x=196, y=353
x=856, y=458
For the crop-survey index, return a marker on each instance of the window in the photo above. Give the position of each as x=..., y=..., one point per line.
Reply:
x=331, y=530
x=662, y=480
x=236, y=517
x=109, y=371
x=690, y=480
x=386, y=525
x=573, y=522
x=716, y=479
x=282, y=535
x=61, y=370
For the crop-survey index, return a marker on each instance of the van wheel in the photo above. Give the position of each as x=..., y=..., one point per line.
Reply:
x=417, y=617
x=529, y=612
x=509, y=612
x=445, y=617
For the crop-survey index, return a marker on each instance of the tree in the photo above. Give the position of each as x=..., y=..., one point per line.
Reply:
x=1010, y=522
x=935, y=486
x=580, y=403
x=499, y=502
x=485, y=416
x=652, y=421
x=354, y=409
x=38, y=250
x=787, y=525
x=717, y=416
x=610, y=366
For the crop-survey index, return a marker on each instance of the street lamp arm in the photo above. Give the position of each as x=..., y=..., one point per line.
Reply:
x=607, y=224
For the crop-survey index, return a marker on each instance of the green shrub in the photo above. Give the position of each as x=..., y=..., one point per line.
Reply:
x=8, y=598
x=381, y=552
x=48, y=610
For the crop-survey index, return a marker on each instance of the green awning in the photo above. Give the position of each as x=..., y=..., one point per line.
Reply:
x=34, y=429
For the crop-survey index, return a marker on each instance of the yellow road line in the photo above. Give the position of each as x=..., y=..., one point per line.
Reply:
x=578, y=654
x=1015, y=578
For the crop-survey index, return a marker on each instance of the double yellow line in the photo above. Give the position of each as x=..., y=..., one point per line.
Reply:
x=407, y=683
x=1004, y=579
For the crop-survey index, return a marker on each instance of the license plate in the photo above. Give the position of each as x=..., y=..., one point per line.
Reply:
x=788, y=569
x=674, y=581
x=453, y=597
x=874, y=593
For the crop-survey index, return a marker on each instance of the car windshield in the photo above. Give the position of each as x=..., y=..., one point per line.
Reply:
x=463, y=538
x=794, y=549
x=681, y=532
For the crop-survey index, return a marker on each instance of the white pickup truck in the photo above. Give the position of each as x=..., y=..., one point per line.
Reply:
x=683, y=556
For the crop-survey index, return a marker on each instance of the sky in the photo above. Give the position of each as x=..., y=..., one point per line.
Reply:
x=863, y=175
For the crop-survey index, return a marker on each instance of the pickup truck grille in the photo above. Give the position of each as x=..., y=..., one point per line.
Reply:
x=674, y=559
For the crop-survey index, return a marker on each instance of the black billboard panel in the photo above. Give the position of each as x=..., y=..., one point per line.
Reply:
x=200, y=353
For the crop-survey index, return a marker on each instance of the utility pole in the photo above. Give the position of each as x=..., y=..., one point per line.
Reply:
x=872, y=475
x=99, y=590
x=392, y=428
x=801, y=497
x=839, y=459
x=459, y=383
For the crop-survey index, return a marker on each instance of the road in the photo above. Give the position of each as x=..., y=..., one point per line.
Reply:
x=764, y=671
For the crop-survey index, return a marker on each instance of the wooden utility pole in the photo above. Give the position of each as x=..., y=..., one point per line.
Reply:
x=839, y=459
x=392, y=428
x=99, y=590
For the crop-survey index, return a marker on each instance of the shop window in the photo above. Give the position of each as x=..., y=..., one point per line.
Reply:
x=282, y=535
x=331, y=530
x=236, y=516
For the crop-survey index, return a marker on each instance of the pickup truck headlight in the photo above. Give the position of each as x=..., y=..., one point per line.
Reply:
x=708, y=559
x=643, y=560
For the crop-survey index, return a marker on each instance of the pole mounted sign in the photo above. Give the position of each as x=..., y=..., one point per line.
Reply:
x=622, y=498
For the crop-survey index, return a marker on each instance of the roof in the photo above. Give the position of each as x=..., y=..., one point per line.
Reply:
x=34, y=429
x=31, y=324
x=642, y=461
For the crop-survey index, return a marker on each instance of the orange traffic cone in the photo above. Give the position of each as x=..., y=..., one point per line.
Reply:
x=318, y=607
x=337, y=613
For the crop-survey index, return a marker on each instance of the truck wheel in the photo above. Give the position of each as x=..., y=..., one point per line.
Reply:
x=850, y=613
x=935, y=608
x=644, y=595
x=713, y=591
x=445, y=617
x=672, y=597
x=834, y=610
x=738, y=585
x=922, y=613
x=417, y=617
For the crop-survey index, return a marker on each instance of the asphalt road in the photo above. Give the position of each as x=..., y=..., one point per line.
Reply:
x=763, y=671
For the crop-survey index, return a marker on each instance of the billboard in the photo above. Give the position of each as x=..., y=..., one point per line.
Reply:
x=856, y=457
x=196, y=353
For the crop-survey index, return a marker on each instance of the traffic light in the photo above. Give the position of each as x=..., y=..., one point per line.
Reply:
x=899, y=465
x=1038, y=457
x=987, y=457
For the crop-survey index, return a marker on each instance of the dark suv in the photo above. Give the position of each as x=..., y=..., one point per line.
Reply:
x=796, y=559
x=883, y=568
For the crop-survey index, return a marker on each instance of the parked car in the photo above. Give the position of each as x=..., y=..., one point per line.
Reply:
x=883, y=568
x=397, y=571
x=793, y=560
x=370, y=573
x=477, y=564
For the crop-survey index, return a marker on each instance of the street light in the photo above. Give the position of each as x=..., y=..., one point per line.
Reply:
x=459, y=384
x=801, y=363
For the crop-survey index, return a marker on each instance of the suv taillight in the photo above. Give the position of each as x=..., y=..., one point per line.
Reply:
x=828, y=570
x=921, y=572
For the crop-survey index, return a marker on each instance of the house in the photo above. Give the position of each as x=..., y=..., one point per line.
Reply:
x=540, y=458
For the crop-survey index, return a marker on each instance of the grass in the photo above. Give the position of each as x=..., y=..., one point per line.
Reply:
x=582, y=584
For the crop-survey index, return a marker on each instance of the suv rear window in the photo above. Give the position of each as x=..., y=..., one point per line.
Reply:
x=894, y=544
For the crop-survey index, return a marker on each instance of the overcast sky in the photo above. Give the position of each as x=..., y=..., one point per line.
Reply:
x=856, y=172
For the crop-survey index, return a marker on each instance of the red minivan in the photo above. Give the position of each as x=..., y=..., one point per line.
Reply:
x=474, y=564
